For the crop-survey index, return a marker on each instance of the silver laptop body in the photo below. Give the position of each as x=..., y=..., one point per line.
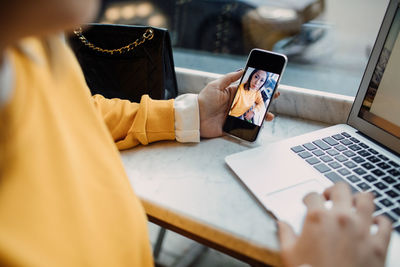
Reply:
x=364, y=152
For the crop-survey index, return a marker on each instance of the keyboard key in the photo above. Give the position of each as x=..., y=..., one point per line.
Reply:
x=310, y=146
x=353, y=178
x=373, y=159
x=346, y=134
x=378, y=172
x=349, y=153
x=383, y=165
x=340, y=148
x=389, y=180
x=377, y=207
x=394, y=172
x=355, y=140
x=341, y=158
x=397, y=186
x=363, y=186
x=355, y=147
x=392, y=194
x=297, y=149
x=373, y=151
x=363, y=145
x=332, y=152
x=370, y=178
x=350, y=164
x=359, y=171
x=330, y=141
x=326, y=158
x=334, y=177
x=305, y=154
x=318, y=152
x=338, y=137
x=346, y=142
x=397, y=229
x=394, y=164
x=358, y=159
x=368, y=165
x=364, y=153
x=313, y=160
x=397, y=211
x=380, y=185
x=344, y=171
x=322, y=145
x=386, y=202
x=376, y=194
x=322, y=168
x=334, y=165
x=382, y=157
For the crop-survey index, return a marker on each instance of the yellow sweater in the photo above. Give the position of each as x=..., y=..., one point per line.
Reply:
x=244, y=100
x=65, y=199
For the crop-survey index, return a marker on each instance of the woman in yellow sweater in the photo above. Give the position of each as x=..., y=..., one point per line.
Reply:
x=65, y=199
x=248, y=99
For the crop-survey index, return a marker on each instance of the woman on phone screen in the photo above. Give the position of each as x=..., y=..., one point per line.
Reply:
x=248, y=99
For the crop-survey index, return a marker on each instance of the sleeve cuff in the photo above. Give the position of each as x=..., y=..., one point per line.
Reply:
x=187, y=118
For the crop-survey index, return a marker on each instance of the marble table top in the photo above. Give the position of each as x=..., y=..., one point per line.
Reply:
x=193, y=183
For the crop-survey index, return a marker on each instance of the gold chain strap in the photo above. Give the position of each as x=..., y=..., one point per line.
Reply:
x=147, y=35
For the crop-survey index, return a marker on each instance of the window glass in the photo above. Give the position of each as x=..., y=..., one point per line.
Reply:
x=327, y=41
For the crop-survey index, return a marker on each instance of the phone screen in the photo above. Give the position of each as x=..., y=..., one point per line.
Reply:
x=254, y=94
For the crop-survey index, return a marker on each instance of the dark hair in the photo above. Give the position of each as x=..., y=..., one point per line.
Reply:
x=247, y=84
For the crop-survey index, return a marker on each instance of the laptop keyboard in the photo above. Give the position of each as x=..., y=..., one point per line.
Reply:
x=342, y=157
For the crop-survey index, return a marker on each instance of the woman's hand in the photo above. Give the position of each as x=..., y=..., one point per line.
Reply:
x=249, y=115
x=214, y=101
x=337, y=236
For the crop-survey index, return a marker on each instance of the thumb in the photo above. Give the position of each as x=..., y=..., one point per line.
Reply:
x=287, y=237
x=229, y=78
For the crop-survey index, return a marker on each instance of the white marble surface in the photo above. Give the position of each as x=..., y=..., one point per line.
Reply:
x=294, y=101
x=193, y=180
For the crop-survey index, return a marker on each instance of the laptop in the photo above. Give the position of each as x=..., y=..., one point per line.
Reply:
x=364, y=152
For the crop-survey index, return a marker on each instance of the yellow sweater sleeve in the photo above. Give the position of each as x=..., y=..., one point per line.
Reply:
x=131, y=124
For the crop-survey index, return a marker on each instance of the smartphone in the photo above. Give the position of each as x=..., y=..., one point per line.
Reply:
x=255, y=92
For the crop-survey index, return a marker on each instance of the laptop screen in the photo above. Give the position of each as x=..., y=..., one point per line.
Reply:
x=381, y=104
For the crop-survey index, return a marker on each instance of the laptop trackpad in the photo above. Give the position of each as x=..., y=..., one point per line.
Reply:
x=287, y=204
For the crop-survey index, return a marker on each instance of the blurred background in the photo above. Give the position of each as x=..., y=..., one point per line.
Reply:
x=327, y=41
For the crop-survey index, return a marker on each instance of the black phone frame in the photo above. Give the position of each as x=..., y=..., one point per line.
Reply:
x=258, y=59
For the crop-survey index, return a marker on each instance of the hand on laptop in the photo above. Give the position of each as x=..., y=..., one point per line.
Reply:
x=337, y=236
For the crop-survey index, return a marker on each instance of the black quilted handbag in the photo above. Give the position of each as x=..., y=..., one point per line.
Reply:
x=125, y=61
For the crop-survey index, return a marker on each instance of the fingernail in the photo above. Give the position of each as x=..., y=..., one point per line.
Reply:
x=239, y=70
